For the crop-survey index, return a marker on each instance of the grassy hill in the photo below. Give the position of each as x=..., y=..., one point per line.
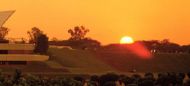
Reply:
x=63, y=60
x=158, y=63
x=86, y=61
x=78, y=61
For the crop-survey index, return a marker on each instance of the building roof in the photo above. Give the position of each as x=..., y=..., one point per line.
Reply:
x=4, y=16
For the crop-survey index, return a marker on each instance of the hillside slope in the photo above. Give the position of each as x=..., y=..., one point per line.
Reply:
x=81, y=61
x=78, y=61
x=126, y=62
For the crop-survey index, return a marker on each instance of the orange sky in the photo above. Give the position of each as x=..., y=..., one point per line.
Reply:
x=108, y=20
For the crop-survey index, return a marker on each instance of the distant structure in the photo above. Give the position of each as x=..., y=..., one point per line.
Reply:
x=16, y=53
x=4, y=16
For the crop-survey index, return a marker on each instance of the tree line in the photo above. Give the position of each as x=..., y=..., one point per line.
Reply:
x=79, y=40
x=165, y=46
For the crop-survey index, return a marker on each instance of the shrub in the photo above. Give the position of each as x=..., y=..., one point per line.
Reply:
x=41, y=45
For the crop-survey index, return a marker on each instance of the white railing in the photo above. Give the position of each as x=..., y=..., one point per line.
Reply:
x=23, y=57
x=16, y=46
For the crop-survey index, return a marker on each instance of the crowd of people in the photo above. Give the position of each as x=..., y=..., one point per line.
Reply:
x=109, y=79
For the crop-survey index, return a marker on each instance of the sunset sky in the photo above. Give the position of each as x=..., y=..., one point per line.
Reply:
x=108, y=20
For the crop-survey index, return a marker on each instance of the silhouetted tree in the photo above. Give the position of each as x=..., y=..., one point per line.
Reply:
x=169, y=47
x=78, y=39
x=165, y=41
x=3, y=32
x=151, y=44
x=162, y=46
x=109, y=77
x=78, y=33
x=90, y=44
x=85, y=44
x=185, y=48
x=33, y=34
x=41, y=45
x=54, y=39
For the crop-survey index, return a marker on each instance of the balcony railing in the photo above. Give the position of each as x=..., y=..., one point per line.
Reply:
x=16, y=46
x=23, y=57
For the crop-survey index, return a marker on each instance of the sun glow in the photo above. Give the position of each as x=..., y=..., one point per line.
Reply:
x=126, y=40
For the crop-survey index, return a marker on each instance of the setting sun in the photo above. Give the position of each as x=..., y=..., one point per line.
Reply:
x=126, y=40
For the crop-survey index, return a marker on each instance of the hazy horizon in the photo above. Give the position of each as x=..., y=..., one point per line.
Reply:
x=108, y=20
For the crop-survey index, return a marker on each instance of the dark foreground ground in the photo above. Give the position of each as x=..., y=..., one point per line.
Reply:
x=108, y=79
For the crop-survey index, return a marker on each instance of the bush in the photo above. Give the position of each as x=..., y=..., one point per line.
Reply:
x=41, y=45
x=110, y=77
